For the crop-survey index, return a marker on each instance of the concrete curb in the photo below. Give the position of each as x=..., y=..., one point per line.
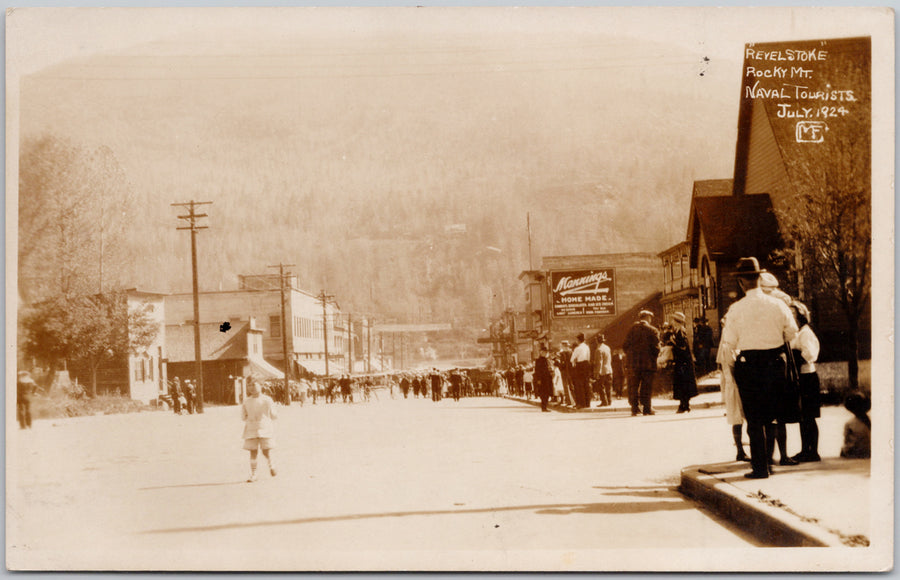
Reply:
x=769, y=523
x=657, y=406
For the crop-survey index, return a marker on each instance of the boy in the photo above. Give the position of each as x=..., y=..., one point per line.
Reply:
x=259, y=414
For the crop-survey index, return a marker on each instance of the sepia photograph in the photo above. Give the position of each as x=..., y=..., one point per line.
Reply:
x=481, y=289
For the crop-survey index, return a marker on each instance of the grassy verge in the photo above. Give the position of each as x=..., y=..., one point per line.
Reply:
x=59, y=405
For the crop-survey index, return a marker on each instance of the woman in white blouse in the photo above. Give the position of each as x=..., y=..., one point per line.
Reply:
x=806, y=351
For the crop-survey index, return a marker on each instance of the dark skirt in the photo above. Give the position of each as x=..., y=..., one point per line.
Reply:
x=684, y=384
x=810, y=396
x=787, y=408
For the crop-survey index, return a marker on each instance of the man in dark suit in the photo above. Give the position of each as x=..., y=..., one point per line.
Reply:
x=543, y=378
x=641, y=349
x=436, y=385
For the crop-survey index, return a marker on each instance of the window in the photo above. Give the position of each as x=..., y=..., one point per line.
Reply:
x=275, y=326
x=707, y=293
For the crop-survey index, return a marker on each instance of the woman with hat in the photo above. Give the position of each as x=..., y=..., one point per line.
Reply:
x=543, y=378
x=805, y=347
x=684, y=384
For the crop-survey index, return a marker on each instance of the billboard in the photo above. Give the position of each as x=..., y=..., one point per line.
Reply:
x=583, y=292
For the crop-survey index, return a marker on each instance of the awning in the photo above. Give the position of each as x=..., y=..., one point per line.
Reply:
x=317, y=367
x=263, y=370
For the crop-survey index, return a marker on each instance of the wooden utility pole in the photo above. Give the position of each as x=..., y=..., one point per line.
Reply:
x=528, y=227
x=284, y=329
x=324, y=298
x=368, y=345
x=350, y=344
x=192, y=218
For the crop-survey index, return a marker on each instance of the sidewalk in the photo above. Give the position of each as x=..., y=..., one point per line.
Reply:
x=705, y=400
x=811, y=504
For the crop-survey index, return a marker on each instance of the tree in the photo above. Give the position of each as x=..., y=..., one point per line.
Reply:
x=90, y=329
x=73, y=207
x=828, y=223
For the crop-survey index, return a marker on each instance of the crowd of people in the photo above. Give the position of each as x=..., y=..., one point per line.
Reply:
x=768, y=354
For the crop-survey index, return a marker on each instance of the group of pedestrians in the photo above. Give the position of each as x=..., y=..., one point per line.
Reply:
x=576, y=377
x=647, y=350
x=768, y=354
x=183, y=396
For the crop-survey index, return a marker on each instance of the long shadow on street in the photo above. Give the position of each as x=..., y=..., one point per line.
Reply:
x=544, y=509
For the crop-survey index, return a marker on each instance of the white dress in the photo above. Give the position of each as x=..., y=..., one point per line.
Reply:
x=557, y=382
x=734, y=412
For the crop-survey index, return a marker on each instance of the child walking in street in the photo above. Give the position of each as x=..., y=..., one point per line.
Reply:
x=259, y=414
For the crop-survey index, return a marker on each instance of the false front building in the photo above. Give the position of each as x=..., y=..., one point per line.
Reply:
x=590, y=294
x=309, y=322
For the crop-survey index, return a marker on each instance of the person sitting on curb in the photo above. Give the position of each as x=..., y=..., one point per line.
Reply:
x=858, y=429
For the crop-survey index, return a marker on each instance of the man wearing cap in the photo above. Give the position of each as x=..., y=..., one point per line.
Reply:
x=581, y=373
x=758, y=327
x=641, y=349
x=768, y=283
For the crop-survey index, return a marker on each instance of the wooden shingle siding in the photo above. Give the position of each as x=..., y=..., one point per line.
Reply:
x=765, y=167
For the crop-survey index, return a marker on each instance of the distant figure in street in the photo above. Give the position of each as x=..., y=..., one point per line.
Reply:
x=404, y=386
x=520, y=380
x=189, y=393
x=703, y=343
x=805, y=347
x=581, y=372
x=455, y=384
x=641, y=349
x=529, y=381
x=259, y=414
x=496, y=384
x=684, y=383
x=543, y=378
x=603, y=371
x=756, y=328
x=346, y=388
x=618, y=373
x=510, y=378
x=25, y=388
x=563, y=362
x=436, y=386
x=559, y=391
x=858, y=430
x=303, y=390
x=176, y=395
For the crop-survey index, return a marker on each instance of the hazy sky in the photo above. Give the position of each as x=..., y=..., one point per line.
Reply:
x=546, y=101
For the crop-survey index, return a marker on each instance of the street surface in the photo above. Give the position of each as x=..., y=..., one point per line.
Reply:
x=482, y=484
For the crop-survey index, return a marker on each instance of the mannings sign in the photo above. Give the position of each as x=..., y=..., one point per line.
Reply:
x=583, y=292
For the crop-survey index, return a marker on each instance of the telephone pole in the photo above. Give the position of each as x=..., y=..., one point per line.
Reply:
x=368, y=345
x=284, y=329
x=192, y=218
x=324, y=298
x=350, y=344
